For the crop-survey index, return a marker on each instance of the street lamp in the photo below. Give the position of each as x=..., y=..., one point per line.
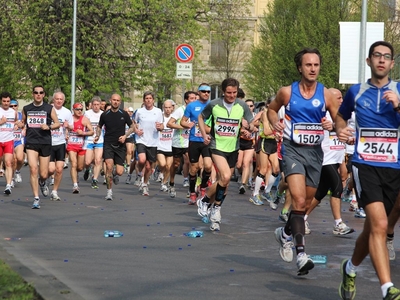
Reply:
x=73, y=55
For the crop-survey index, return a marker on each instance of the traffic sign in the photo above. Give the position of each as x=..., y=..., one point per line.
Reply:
x=184, y=70
x=184, y=53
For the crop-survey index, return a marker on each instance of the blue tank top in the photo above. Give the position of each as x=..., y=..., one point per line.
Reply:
x=303, y=116
x=192, y=112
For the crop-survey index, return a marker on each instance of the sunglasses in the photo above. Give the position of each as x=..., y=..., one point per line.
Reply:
x=205, y=92
x=13, y=105
x=36, y=92
x=251, y=105
x=78, y=109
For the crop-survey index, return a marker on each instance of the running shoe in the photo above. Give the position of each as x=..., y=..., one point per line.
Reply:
x=307, y=228
x=360, y=213
x=347, y=288
x=128, y=179
x=54, y=196
x=391, y=251
x=284, y=217
x=393, y=293
x=18, y=178
x=163, y=187
x=304, y=264
x=256, y=200
x=266, y=196
x=274, y=204
x=44, y=189
x=192, y=199
x=65, y=165
x=215, y=218
x=145, y=190
x=342, y=229
x=86, y=174
x=115, y=179
x=7, y=191
x=75, y=190
x=202, y=208
x=188, y=194
x=52, y=181
x=172, y=192
x=285, y=245
x=138, y=181
x=109, y=196
x=353, y=205
x=202, y=192
x=95, y=184
x=242, y=189
x=186, y=182
x=12, y=183
x=36, y=203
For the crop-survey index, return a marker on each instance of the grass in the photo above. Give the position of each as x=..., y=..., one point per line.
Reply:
x=13, y=287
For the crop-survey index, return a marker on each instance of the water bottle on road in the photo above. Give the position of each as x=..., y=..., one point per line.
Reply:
x=113, y=233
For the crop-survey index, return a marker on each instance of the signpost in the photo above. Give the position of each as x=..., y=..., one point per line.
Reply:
x=184, y=53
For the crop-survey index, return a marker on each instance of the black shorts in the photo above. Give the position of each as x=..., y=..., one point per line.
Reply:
x=116, y=152
x=166, y=154
x=231, y=157
x=151, y=152
x=245, y=144
x=196, y=149
x=130, y=140
x=373, y=184
x=43, y=150
x=179, y=152
x=58, y=153
x=257, y=146
x=269, y=146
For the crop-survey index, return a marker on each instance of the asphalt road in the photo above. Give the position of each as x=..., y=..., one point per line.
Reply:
x=61, y=250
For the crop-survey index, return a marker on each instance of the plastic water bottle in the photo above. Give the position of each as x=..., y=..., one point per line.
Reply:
x=205, y=219
x=318, y=259
x=113, y=233
x=194, y=234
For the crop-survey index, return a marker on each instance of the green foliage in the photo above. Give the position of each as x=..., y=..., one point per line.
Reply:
x=287, y=28
x=120, y=45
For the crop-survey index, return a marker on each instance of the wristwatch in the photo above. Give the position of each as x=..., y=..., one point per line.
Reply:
x=397, y=108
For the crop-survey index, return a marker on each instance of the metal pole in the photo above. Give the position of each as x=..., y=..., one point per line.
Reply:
x=73, y=55
x=363, y=41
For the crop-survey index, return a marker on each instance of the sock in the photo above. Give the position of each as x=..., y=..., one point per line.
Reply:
x=351, y=269
x=206, y=199
x=390, y=236
x=192, y=183
x=171, y=184
x=305, y=217
x=337, y=221
x=385, y=288
x=75, y=184
x=259, y=181
x=271, y=181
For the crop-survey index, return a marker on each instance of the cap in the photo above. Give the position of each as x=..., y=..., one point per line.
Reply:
x=204, y=88
x=14, y=102
x=77, y=105
x=130, y=108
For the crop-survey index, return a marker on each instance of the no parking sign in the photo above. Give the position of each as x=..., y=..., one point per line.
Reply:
x=184, y=53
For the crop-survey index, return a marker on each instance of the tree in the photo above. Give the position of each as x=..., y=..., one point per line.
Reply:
x=286, y=29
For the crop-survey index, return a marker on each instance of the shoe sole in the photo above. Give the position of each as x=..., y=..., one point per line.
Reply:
x=343, y=233
x=8, y=192
x=255, y=203
x=216, y=228
x=36, y=207
x=307, y=267
x=242, y=191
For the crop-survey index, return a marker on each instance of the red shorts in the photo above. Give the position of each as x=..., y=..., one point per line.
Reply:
x=76, y=149
x=7, y=148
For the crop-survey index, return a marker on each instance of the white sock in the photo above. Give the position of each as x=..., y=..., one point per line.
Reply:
x=385, y=288
x=271, y=181
x=305, y=217
x=257, y=185
x=351, y=269
x=337, y=221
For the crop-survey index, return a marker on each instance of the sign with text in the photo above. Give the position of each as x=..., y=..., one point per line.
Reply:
x=184, y=71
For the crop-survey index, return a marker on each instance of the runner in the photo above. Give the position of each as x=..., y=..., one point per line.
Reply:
x=227, y=115
x=38, y=117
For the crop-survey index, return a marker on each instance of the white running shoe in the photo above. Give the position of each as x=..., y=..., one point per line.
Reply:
x=7, y=191
x=18, y=178
x=342, y=229
x=215, y=218
x=44, y=189
x=36, y=203
x=202, y=208
x=128, y=179
x=54, y=196
x=304, y=264
x=172, y=192
x=145, y=190
x=186, y=182
x=285, y=245
x=109, y=196
x=163, y=187
x=391, y=251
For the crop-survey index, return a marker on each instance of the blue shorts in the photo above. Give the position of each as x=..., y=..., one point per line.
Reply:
x=92, y=146
x=18, y=143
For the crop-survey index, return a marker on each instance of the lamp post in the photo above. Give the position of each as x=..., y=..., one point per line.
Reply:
x=73, y=55
x=363, y=39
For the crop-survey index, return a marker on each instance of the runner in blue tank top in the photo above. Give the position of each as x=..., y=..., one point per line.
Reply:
x=376, y=166
x=306, y=103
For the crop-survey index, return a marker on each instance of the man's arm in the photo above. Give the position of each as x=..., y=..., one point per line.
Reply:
x=282, y=99
x=56, y=122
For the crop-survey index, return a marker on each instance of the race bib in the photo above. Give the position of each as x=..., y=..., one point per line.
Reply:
x=76, y=140
x=334, y=143
x=8, y=126
x=308, y=133
x=17, y=135
x=35, y=119
x=197, y=132
x=378, y=144
x=166, y=135
x=226, y=127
